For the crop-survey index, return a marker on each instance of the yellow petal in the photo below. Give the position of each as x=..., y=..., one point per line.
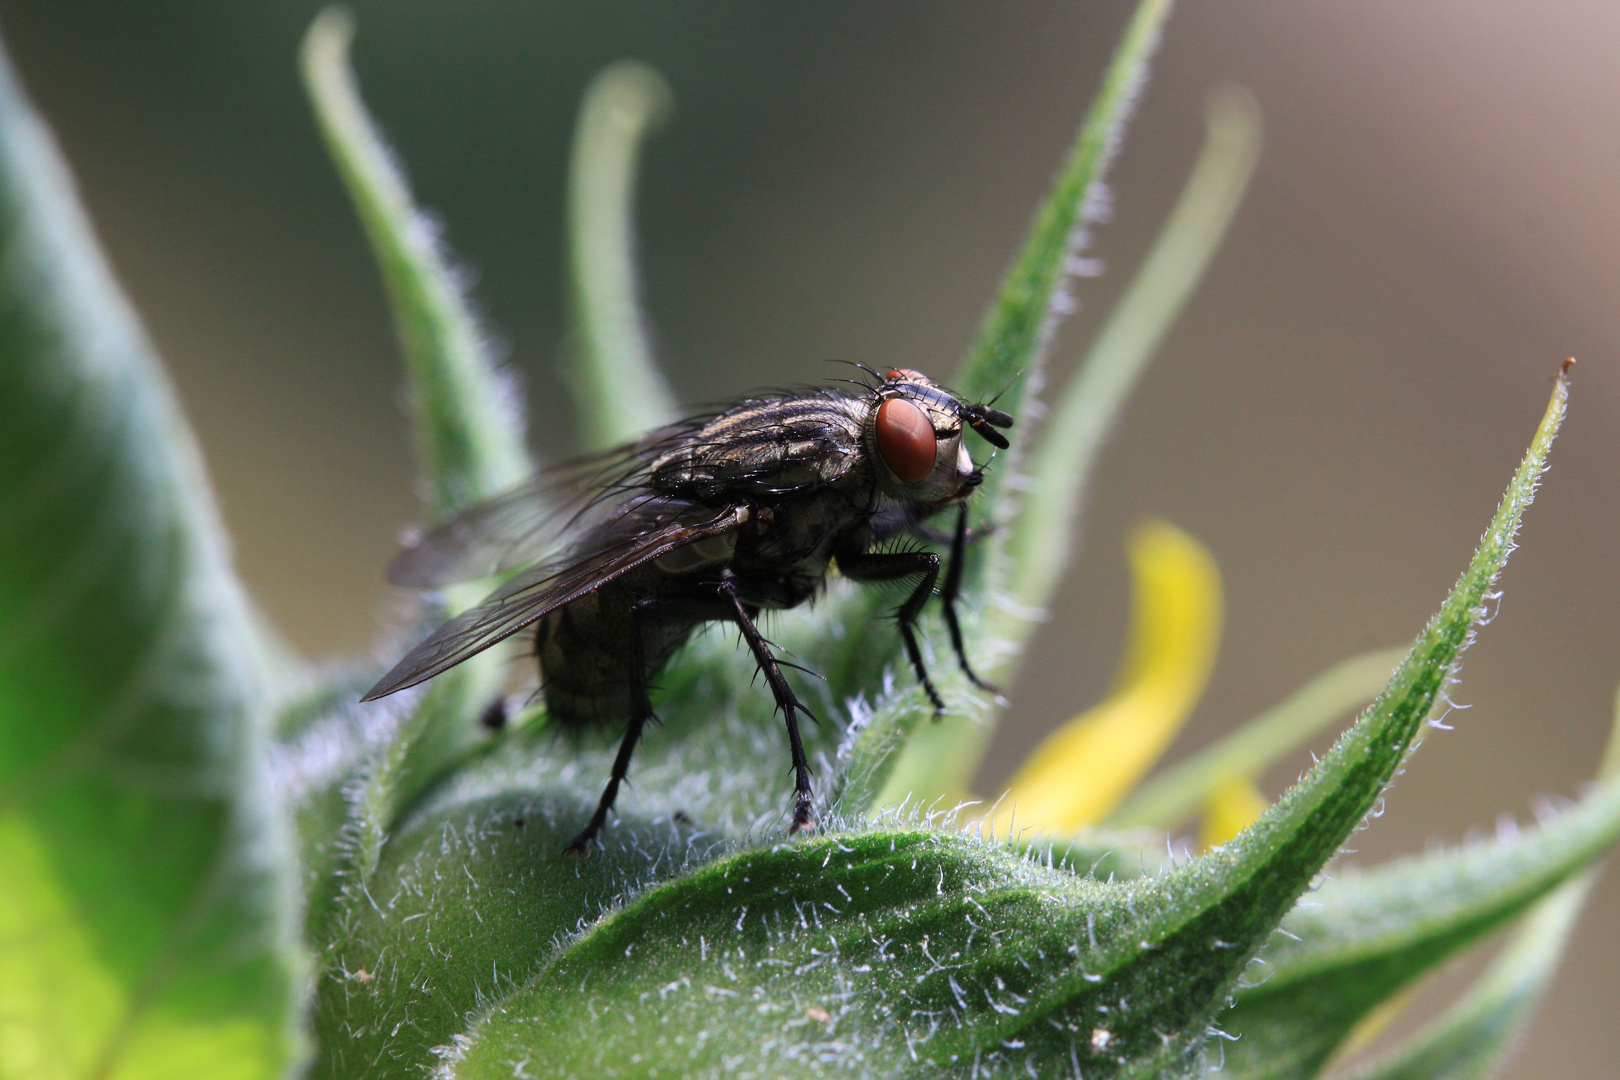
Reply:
x=1085, y=767
x=1232, y=807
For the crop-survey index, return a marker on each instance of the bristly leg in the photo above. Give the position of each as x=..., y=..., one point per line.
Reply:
x=785, y=700
x=948, y=596
x=641, y=613
x=897, y=566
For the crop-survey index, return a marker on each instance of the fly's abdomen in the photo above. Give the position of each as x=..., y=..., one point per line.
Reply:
x=587, y=657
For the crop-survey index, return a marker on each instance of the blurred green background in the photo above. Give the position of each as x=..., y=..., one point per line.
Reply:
x=1434, y=225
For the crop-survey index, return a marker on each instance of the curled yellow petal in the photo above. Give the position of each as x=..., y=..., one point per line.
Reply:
x=1231, y=807
x=1085, y=767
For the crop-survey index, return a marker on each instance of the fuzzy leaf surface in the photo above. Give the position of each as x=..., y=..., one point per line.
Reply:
x=146, y=890
x=905, y=953
x=468, y=902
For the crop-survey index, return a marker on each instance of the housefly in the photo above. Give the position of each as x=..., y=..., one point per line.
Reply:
x=619, y=557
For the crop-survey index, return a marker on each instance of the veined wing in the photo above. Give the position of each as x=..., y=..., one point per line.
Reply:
x=536, y=592
x=527, y=524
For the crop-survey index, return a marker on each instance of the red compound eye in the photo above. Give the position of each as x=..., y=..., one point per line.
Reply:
x=906, y=440
x=906, y=374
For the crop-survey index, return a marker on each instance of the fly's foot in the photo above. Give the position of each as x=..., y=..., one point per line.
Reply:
x=803, y=816
x=988, y=687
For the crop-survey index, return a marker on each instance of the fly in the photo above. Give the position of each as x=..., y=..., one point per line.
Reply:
x=619, y=557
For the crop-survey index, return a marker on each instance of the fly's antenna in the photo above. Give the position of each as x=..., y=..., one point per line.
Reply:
x=984, y=420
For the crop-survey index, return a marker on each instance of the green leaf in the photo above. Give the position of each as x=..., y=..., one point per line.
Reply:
x=1026, y=558
x=358, y=768
x=1472, y=1037
x=469, y=901
x=889, y=954
x=468, y=420
x=618, y=390
x=146, y=888
x=1370, y=936
x=1176, y=793
x=911, y=952
x=1367, y=937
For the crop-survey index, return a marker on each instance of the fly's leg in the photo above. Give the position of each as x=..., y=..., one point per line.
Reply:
x=580, y=845
x=896, y=566
x=948, y=595
x=642, y=612
x=785, y=700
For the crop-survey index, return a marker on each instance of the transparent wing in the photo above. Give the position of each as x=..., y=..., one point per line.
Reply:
x=532, y=594
x=528, y=524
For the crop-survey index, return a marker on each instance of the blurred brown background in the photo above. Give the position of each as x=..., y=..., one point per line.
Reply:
x=1434, y=225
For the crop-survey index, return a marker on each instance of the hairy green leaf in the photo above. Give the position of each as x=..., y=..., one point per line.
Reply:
x=146, y=890
x=1242, y=891
x=469, y=902
x=903, y=953
x=618, y=390
x=468, y=422
x=1366, y=937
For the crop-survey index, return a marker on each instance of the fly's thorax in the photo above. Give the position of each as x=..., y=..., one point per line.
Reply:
x=765, y=446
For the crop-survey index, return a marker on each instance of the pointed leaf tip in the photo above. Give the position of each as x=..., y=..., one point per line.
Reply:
x=469, y=424
x=1235, y=896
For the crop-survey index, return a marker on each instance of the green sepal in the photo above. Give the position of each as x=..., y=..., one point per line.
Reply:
x=619, y=393
x=468, y=419
x=355, y=769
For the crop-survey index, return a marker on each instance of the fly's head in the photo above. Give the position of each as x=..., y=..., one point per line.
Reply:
x=915, y=430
